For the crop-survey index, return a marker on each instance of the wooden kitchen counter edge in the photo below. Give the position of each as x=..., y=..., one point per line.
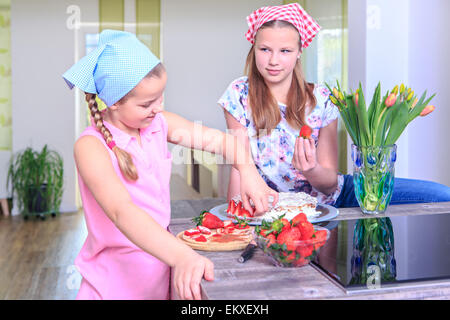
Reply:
x=314, y=285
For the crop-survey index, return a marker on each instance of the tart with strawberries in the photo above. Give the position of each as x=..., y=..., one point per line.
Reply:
x=213, y=234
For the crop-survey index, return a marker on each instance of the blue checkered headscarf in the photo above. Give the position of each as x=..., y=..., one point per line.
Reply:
x=114, y=68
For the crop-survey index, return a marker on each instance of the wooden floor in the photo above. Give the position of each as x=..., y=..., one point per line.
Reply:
x=37, y=257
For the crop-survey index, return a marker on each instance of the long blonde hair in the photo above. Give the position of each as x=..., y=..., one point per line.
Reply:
x=124, y=159
x=265, y=110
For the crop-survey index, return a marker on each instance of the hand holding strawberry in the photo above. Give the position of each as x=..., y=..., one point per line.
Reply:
x=305, y=154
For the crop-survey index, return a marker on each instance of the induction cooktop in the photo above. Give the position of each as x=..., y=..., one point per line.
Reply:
x=386, y=253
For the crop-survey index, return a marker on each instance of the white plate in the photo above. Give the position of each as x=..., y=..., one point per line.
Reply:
x=327, y=213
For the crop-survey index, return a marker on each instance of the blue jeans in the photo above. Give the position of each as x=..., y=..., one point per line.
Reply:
x=405, y=191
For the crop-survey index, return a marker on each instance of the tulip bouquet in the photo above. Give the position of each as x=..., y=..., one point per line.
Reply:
x=384, y=121
x=374, y=131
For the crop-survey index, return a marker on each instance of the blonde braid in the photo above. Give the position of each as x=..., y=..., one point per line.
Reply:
x=124, y=159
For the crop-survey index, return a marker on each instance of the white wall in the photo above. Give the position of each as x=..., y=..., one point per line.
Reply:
x=389, y=43
x=429, y=66
x=204, y=49
x=42, y=104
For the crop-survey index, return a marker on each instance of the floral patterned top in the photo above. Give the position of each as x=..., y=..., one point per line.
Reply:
x=273, y=153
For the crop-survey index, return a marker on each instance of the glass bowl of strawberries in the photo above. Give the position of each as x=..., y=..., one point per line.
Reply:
x=291, y=243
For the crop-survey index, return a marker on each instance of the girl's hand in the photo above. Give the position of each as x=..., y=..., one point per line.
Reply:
x=305, y=156
x=188, y=273
x=254, y=187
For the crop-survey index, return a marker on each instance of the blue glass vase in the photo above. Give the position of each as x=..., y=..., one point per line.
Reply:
x=373, y=176
x=373, y=260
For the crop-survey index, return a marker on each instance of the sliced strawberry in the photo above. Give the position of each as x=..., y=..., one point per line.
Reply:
x=238, y=209
x=227, y=223
x=192, y=232
x=229, y=229
x=204, y=230
x=242, y=212
x=200, y=238
x=231, y=208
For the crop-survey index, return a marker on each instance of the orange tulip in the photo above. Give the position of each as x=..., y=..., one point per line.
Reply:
x=356, y=98
x=390, y=100
x=428, y=109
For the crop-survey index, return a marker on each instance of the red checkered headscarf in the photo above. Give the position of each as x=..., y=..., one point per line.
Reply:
x=293, y=13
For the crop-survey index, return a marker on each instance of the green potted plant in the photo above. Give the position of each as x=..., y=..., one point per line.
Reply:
x=37, y=180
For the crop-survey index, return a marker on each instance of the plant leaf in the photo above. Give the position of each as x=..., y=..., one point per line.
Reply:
x=399, y=122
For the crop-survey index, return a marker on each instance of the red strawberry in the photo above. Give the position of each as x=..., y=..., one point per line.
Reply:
x=307, y=230
x=204, y=230
x=305, y=251
x=320, y=238
x=229, y=229
x=230, y=207
x=305, y=131
x=192, y=232
x=227, y=223
x=207, y=219
x=200, y=238
x=271, y=240
x=241, y=211
x=301, y=217
x=289, y=257
x=321, y=235
x=289, y=237
x=286, y=224
x=300, y=262
x=238, y=209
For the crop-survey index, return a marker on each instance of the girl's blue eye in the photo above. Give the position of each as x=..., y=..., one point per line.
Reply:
x=285, y=50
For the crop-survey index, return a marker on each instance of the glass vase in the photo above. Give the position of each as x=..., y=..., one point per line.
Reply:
x=373, y=176
x=373, y=260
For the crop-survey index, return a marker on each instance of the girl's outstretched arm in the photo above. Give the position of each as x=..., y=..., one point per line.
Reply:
x=95, y=167
x=238, y=130
x=193, y=135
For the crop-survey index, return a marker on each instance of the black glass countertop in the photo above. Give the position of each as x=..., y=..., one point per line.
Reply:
x=374, y=253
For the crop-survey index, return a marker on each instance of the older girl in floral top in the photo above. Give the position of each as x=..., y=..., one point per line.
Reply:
x=273, y=153
x=266, y=109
